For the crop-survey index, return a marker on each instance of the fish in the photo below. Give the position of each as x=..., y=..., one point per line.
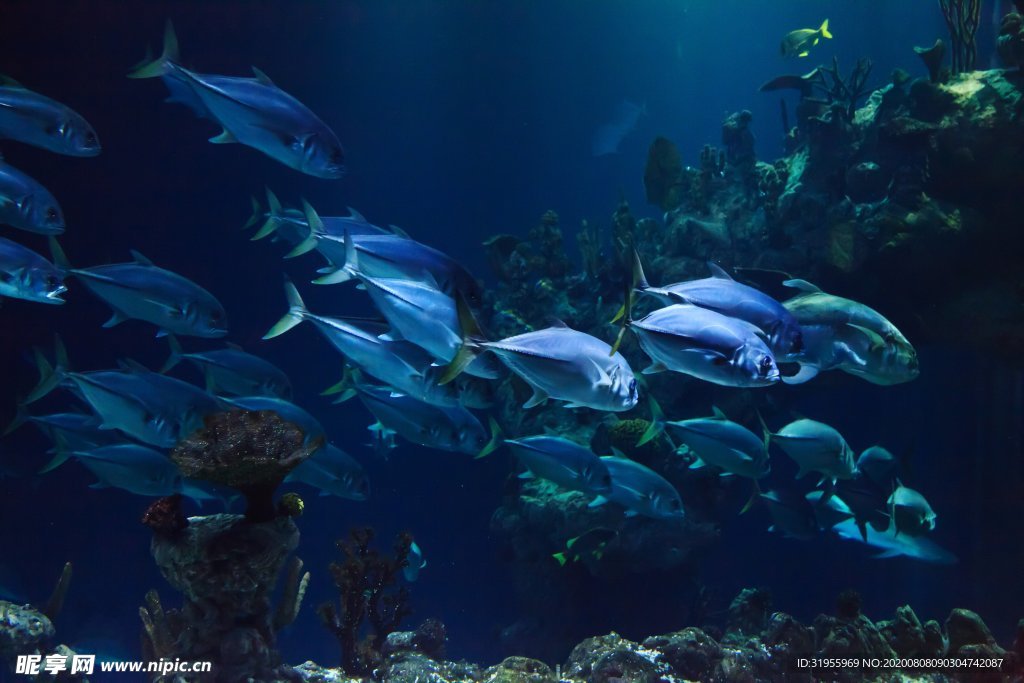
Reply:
x=793, y=515
x=893, y=544
x=816, y=447
x=233, y=371
x=722, y=294
x=705, y=344
x=843, y=334
x=726, y=445
x=453, y=429
x=292, y=226
x=427, y=317
x=26, y=275
x=799, y=42
x=401, y=365
x=911, y=513
x=866, y=501
x=609, y=136
x=133, y=468
x=879, y=465
x=37, y=120
x=557, y=362
x=27, y=205
x=312, y=430
x=414, y=563
x=334, y=472
x=640, y=490
x=562, y=462
x=588, y=546
x=139, y=290
x=69, y=432
x=251, y=111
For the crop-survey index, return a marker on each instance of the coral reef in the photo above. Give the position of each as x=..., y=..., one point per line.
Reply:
x=366, y=581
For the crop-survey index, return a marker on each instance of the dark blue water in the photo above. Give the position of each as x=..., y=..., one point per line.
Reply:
x=460, y=120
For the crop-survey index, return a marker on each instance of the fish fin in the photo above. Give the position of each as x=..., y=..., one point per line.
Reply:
x=657, y=425
x=158, y=66
x=801, y=472
x=471, y=336
x=139, y=258
x=639, y=279
x=803, y=54
x=398, y=232
x=526, y=475
x=597, y=502
x=116, y=318
x=626, y=312
x=719, y=415
x=886, y=554
x=863, y=527
x=561, y=559
x=539, y=396
x=356, y=216
x=805, y=374
x=697, y=464
x=877, y=342
x=225, y=137
x=718, y=272
x=631, y=513
x=654, y=368
x=262, y=77
x=9, y=82
x=334, y=276
x=61, y=456
x=824, y=30
x=60, y=259
x=176, y=352
x=496, y=439
x=802, y=285
x=755, y=494
x=296, y=312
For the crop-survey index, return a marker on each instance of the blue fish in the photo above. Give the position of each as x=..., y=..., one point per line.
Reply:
x=68, y=432
x=334, y=472
x=133, y=468
x=251, y=111
x=563, y=462
x=722, y=443
x=640, y=490
x=141, y=291
x=609, y=136
x=26, y=204
x=292, y=226
x=893, y=544
x=24, y=274
x=37, y=120
x=233, y=371
x=287, y=411
x=415, y=563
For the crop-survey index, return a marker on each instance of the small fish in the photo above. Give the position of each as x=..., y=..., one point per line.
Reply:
x=453, y=429
x=382, y=441
x=722, y=294
x=37, y=120
x=334, y=472
x=893, y=544
x=140, y=290
x=846, y=335
x=911, y=513
x=724, y=444
x=292, y=226
x=251, y=111
x=26, y=275
x=588, y=546
x=609, y=136
x=640, y=490
x=233, y=371
x=878, y=464
x=799, y=42
x=133, y=468
x=414, y=563
x=68, y=432
x=27, y=205
x=287, y=411
x=816, y=447
x=557, y=362
x=793, y=515
x=562, y=462
x=866, y=501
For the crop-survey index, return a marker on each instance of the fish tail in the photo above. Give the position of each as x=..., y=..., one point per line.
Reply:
x=754, y=495
x=346, y=387
x=470, y=349
x=316, y=228
x=60, y=259
x=824, y=30
x=497, y=437
x=176, y=351
x=20, y=417
x=296, y=312
x=561, y=559
x=657, y=423
x=273, y=216
x=626, y=316
x=152, y=68
x=49, y=375
x=341, y=273
x=61, y=453
x=257, y=213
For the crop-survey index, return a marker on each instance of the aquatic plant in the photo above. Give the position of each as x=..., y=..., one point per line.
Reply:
x=962, y=19
x=369, y=597
x=844, y=91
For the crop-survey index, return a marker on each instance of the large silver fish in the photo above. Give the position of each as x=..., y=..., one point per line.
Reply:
x=816, y=447
x=705, y=344
x=722, y=294
x=251, y=111
x=233, y=371
x=452, y=429
x=133, y=468
x=24, y=274
x=849, y=336
x=893, y=544
x=334, y=472
x=640, y=490
x=26, y=204
x=140, y=290
x=37, y=120
x=563, y=462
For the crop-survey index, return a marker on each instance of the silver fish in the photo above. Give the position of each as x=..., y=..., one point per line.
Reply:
x=233, y=371
x=816, y=447
x=141, y=291
x=37, y=120
x=133, y=468
x=292, y=225
x=724, y=444
x=640, y=490
x=26, y=204
x=251, y=111
x=334, y=472
x=893, y=544
x=414, y=563
x=26, y=275
x=563, y=462
x=911, y=513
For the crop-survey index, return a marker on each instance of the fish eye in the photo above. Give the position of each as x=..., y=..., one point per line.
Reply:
x=90, y=138
x=765, y=365
x=51, y=214
x=52, y=282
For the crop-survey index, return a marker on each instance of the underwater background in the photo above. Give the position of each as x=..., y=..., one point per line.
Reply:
x=460, y=121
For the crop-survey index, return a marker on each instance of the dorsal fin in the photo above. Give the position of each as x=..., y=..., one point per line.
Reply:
x=718, y=272
x=718, y=413
x=553, y=321
x=140, y=259
x=262, y=77
x=9, y=82
x=802, y=285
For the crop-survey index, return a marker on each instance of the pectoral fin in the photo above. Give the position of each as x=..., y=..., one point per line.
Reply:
x=224, y=138
x=539, y=396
